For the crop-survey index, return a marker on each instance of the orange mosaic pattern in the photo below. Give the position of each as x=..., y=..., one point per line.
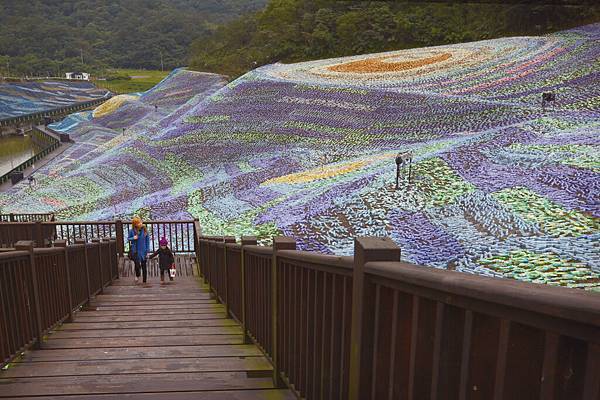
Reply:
x=374, y=65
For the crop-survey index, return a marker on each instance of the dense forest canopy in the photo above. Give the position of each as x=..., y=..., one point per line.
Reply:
x=51, y=36
x=298, y=30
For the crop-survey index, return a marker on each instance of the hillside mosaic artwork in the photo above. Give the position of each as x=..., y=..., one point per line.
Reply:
x=500, y=186
x=22, y=98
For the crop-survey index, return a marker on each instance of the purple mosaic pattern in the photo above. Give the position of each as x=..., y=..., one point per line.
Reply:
x=500, y=185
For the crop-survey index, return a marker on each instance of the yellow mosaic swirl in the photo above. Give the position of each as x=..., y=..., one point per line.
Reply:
x=112, y=105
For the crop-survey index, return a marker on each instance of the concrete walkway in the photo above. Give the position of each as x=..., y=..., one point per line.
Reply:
x=39, y=164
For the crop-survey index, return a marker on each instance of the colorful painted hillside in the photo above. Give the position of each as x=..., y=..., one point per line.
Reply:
x=120, y=119
x=22, y=98
x=501, y=186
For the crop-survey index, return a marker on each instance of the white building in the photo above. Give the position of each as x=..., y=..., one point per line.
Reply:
x=82, y=76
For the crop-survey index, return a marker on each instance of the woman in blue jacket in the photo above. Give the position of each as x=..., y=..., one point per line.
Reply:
x=139, y=243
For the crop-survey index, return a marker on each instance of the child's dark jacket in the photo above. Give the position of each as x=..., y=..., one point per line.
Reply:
x=165, y=258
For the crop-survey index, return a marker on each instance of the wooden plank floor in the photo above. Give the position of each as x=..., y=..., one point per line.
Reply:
x=145, y=342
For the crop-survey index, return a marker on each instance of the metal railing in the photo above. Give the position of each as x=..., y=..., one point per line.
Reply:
x=372, y=327
x=40, y=115
x=180, y=234
x=42, y=287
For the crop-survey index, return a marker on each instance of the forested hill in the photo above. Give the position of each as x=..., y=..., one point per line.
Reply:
x=49, y=36
x=299, y=30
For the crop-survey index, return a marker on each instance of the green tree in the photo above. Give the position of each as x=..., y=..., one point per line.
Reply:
x=119, y=33
x=298, y=30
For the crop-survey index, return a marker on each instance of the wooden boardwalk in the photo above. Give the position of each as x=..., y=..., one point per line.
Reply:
x=152, y=342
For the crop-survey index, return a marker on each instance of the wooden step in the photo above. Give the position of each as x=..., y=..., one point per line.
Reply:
x=145, y=343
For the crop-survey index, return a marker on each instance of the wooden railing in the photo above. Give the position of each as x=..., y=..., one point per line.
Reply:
x=42, y=233
x=181, y=234
x=30, y=217
x=314, y=313
x=372, y=327
x=41, y=287
x=471, y=334
x=259, y=297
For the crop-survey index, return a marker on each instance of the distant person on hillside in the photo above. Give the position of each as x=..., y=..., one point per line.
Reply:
x=166, y=259
x=139, y=243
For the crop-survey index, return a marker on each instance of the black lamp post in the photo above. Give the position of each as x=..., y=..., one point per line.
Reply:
x=401, y=159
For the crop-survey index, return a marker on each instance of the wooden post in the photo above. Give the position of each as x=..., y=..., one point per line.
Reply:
x=87, y=268
x=366, y=249
x=197, y=233
x=39, y=235
x=27, y=245
x=99, y=245
x=203, y=258
x=111, y=258
x=246, y=241
x=120, y=238
x=63, y=244
x=213, y=267
x=12, y=217
x=208, y=267
x=226, y=239
x=114, y=255
x=279, y=243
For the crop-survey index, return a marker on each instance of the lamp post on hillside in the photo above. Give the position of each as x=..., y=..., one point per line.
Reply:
x=548, y=97
x=401, y=159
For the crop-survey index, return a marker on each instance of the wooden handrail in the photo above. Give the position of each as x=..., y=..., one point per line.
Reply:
x=234, y=246
x=181, y=234
x=259, y=250
x=127, y=223
x=29, y=217
x=370, y=326
x=560, y=302
x=344, y=262
x=42, y=287
x=8, y=255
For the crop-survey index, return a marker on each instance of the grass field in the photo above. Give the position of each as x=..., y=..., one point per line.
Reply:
x=141, y=80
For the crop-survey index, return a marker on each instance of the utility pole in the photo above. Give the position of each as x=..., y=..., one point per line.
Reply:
x=81, y=55
x=161, y=61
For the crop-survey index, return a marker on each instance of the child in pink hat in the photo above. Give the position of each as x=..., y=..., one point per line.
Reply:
x=166, y=259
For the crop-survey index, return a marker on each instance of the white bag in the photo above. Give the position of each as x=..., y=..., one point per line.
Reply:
x=172, y=272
